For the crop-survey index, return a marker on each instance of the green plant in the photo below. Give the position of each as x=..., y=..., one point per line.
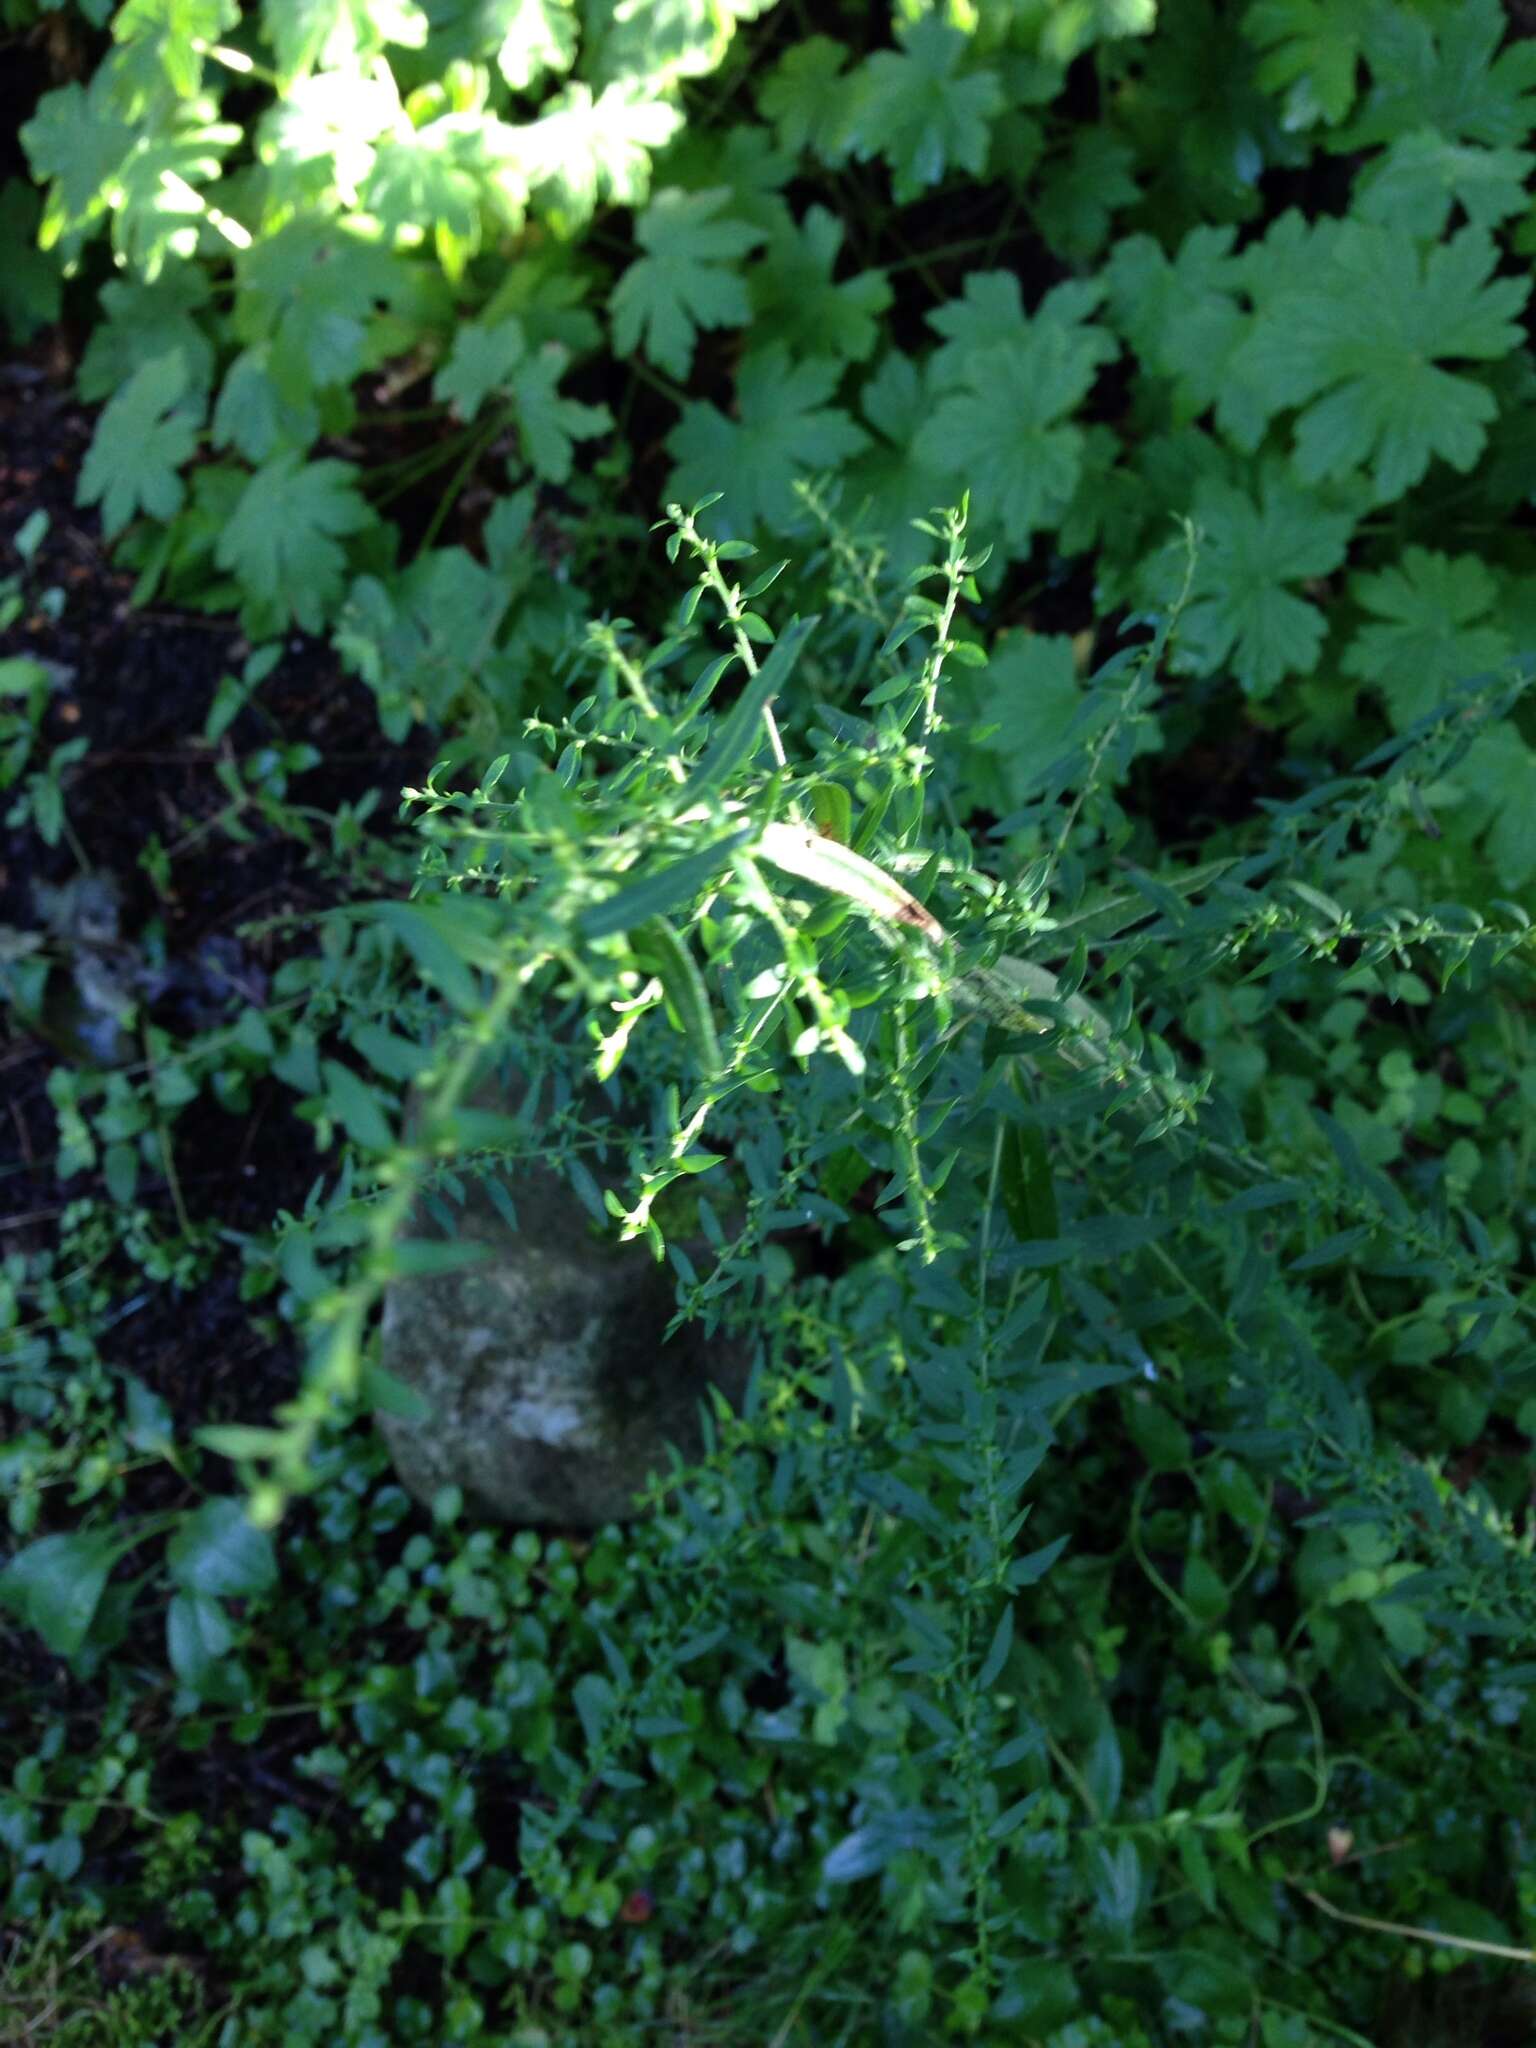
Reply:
x=1107, y=1107
x=1058, y=1243
x=289, y=276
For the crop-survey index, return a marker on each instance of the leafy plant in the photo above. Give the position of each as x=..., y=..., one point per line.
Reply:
x=1072, y=991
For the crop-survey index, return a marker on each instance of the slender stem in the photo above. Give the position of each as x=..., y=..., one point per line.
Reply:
x=457, y=481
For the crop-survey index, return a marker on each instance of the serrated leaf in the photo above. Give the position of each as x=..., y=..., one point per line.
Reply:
x=537, y=36
x=339, y=35
x=681, y=282
x=1003, y=422
x=784, y=428
x=481, y=362
x=283, y=540
x=1433, y=625
x=1243, y=608
x=808, y=96
x=583, y=149
x=796, y=300
x=145, y=435
x=1360, y=352
x=924, y=109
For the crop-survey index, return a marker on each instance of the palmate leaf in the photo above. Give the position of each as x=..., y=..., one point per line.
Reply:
x=312, y=290
x=1310, y=55
x=808, y=98
x=796, y=301
x=1433, y=625
x=1450, y=73
x=744, y=160
x=442, y=176
x=158, y=210
x=253, y=416
x=537, y=36
x=583, y=149
x=922, y=109
x=1024, y=704
x=543, y=291
x=1499, y=776
x=143, y=321
x=1080, y=191
x=165, y=41
x=76, y=143
x=991, y=310
x=662, y=41
x=1007, y=432
x=784, y=428
x=338, y=35
x=283, y=541
x=481, y=362
x=1243, y=610
x=142, y=440
x=888, y=486
x=318, y=142
x=550, y=424
x=1060, y=30
x=1007, y=387
x=489, y=360
x=1185, y=317
x=1360, y=350
x=1415, y=184
x=681, y=282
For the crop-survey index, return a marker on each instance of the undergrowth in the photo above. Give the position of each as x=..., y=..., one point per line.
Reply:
x=1062, y=955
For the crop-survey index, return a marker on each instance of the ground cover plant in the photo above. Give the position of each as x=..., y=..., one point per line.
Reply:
x=948, y=595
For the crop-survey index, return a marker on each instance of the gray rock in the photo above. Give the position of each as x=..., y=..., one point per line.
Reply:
x=552, y=1394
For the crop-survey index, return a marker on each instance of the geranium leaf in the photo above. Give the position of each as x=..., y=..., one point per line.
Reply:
x=283, y=540
x=142, y=440
x=683, y=280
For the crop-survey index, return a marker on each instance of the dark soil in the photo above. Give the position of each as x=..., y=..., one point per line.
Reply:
x=139, y=689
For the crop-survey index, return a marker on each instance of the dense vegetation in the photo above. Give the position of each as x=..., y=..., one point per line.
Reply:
x=942, y=599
